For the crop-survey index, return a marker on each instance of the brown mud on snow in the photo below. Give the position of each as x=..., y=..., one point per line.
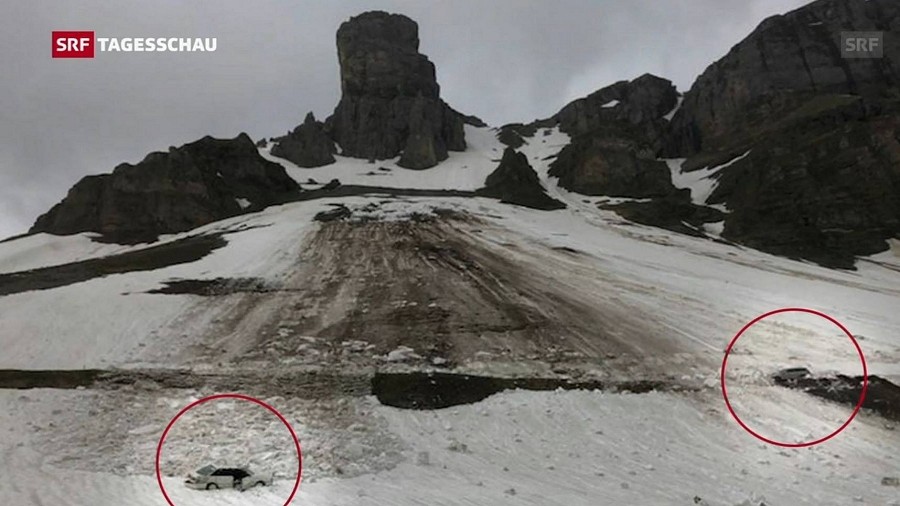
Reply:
x=443, y=287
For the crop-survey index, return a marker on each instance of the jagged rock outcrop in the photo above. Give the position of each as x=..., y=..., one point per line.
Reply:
x=640, y=104
x=307, y=145
x=634, y=110
x=390, y=98
x=616, y=134
x=797, y=53
x=613, y=166
x=826, y=188
x=421, y=151
x=170, y=192
x=515, y=182
x=673, y=212
x=822, y=178
x=513, y=135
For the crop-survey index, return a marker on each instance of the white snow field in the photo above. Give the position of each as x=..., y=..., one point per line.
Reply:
x=462, y=171
x=550, y=448
x=689, y=295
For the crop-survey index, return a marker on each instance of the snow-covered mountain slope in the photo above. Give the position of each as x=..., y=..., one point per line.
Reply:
x=465, y=170
x=468, y=284
x=691, y=294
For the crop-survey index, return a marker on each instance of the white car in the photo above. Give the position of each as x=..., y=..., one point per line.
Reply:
x=240, y=478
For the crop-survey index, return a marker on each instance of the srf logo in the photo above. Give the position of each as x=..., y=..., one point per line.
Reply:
x=73, y=44
x=862, y=44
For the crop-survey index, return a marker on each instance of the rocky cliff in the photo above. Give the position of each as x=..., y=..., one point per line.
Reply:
x=390, y=99
x=169, y=192
x=616, y=133
x=808, y=142
x=823, y=187
x=788, y=56
x=822, y=178
x=639, y=105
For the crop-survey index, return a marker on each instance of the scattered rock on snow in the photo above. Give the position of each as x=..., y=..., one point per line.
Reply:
x=402, y=354
x=339, y=212
x=456, y=446
x=334, y=184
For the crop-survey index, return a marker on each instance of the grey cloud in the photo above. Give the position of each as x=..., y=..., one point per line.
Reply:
x=503, y=60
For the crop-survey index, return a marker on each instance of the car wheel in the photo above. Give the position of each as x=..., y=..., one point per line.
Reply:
x=260, y=484
x=211, y=486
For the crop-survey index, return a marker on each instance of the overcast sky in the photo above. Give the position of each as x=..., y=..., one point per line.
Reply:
x=502, y=60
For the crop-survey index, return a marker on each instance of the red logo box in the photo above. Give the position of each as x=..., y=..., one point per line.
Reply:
x=73, y=44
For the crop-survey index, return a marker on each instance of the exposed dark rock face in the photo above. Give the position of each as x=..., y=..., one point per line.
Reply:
x=616, y=134
x=332, y=185
x=674, y=212
x=421, y=151
x=390, y=99
x=171, y=192
x=822, y=180
x=337, y=212
x=515, y=182
x=514, y=134
x=307, y=145
x=826, y=188
x=182, y=251
x=471, y=119
x=611, y=165
x=795, y=52
x=640, y=104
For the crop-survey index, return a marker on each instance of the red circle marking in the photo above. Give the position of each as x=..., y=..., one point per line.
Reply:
x=230, y=396
x=862, y=394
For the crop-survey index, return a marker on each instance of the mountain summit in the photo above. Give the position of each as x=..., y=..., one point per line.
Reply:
x=390, y=103
x=782, y=145
x=390, y=100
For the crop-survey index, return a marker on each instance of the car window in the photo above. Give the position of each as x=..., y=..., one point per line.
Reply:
x=206, y=470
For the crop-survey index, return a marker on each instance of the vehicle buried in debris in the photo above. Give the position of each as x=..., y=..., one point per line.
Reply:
x=240, y=478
